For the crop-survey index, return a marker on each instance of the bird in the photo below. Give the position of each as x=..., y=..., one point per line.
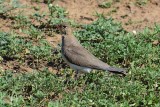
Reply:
x=79, y=58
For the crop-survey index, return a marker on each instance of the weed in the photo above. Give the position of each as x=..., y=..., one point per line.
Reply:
x=106, y=39
x=34, y=33
x=57, y=15
x=108, y=36
x=6, y=7
x=41, y=50
x=105, y=5
x=21, y=21
x=10, y=46
x=141, y=2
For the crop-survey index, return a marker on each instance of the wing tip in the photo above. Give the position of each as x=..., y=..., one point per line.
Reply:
x=117, y=70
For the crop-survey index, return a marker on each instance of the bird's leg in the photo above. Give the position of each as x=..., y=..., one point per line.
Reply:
x=76, y=75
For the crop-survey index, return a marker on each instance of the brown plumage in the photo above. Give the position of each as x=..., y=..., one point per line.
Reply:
x=75, y=54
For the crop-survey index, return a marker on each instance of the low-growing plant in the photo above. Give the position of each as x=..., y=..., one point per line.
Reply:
x=107, y=40
x=105, y=4
x=141, y=2
x=41, y=51
x=7, y=6
x=34, y=33
x=21, y=21
x=117, y=45
x=57, y=15
x=10, y=46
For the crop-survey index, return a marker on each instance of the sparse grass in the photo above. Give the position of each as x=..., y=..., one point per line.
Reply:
x=7, y=6
x=141, y=2
x=107, y=3
x=107, y=40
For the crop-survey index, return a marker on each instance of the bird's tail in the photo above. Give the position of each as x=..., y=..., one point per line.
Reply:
x=117, y=70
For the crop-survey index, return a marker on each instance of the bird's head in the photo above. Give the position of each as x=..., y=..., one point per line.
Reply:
x=61, y=28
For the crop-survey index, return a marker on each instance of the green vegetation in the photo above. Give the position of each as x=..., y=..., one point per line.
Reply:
x=141, y=2
x=106, y=3
x=106, y=39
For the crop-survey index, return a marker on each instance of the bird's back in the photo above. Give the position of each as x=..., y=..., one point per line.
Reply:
x=76, y=54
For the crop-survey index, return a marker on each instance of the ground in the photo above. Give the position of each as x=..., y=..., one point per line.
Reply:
x=122, y=33
x=134, y=15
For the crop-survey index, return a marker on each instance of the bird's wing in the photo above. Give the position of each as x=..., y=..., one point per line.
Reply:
x=80, y=56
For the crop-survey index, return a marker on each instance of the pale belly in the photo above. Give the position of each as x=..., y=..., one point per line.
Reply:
x=76, y=67
x=80, y=69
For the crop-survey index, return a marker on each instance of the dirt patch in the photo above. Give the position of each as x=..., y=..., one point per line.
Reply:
x=131, y=15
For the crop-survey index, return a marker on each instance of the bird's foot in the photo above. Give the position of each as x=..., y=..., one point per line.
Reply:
x=76, y=76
